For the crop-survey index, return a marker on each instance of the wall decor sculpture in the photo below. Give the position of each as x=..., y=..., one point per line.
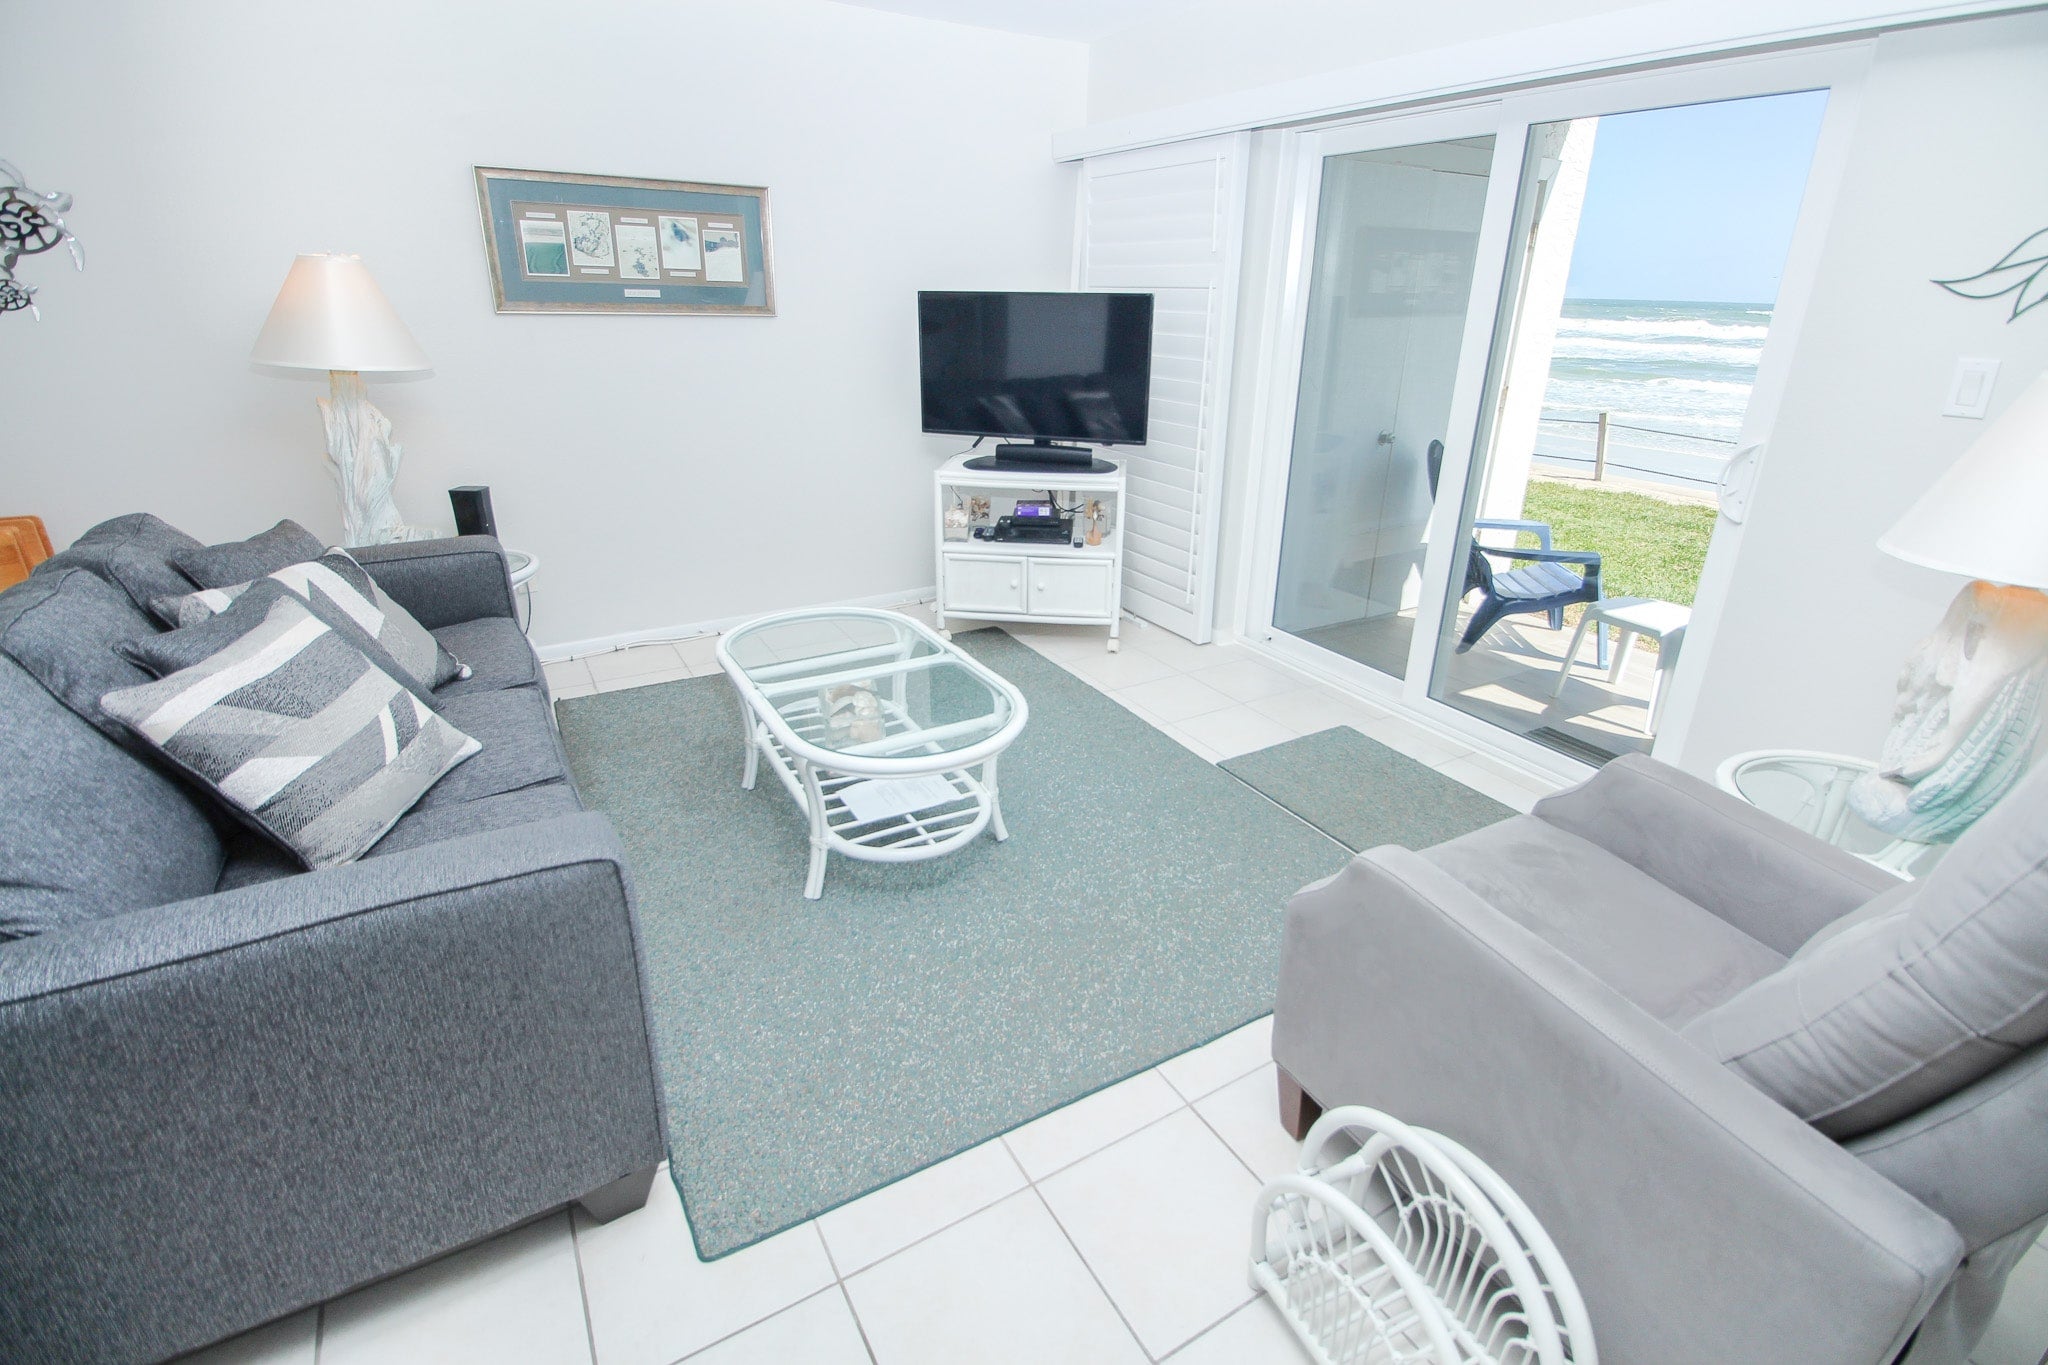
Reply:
x=31, y=223
x=2021, y=272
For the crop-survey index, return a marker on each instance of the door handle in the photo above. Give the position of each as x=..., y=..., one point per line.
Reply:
x=1738, y=481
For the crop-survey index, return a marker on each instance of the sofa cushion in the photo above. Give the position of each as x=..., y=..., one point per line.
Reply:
x=88, y=828
x=520, y=775
x=1911, y=1003
x=431, y=825
x=1881, y=906
x=292, y=725
x=134, y=553
x=497, y=654
x=64, y=627
x=250, y=858
x=238, y=561
x=521, y=747
x=208, y=633
x=345, y=596
x=1652, y=945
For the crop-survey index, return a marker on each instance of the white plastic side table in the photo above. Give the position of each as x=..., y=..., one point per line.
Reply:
x=1664, y=622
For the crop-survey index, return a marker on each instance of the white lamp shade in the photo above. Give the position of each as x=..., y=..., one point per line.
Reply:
x=330, y=315
x=1987, y=517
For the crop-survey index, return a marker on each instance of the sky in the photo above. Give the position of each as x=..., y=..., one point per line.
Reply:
x=1695, y=203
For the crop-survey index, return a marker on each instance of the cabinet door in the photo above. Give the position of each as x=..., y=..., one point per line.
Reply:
x=976, y=583
x=1070, y=587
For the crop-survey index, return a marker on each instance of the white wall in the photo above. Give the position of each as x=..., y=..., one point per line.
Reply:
x=667, y=470
x=1944, y=177
x=1213, y=47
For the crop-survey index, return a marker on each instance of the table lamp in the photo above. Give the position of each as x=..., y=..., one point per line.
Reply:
x=330, y=315
x=1969, y=704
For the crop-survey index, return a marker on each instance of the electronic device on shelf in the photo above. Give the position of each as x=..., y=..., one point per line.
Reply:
x=1047, y=371
x=1057, y=531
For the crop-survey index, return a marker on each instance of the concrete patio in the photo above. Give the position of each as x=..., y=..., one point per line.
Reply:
x=1507, y=677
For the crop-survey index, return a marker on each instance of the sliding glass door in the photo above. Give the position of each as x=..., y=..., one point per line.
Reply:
x=1397, y=237
x=1528, y=333
x=1641, y=280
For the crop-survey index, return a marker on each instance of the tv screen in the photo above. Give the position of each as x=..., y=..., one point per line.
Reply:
x=1053, y=367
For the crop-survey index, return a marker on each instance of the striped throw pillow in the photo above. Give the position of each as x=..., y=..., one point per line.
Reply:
x=299, y=732
x=337, y=579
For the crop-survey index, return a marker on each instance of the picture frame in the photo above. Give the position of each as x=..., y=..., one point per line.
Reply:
x=559, y=242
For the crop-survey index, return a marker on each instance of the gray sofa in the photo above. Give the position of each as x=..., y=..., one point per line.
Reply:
x=1772, y=1104
x=229, y=1089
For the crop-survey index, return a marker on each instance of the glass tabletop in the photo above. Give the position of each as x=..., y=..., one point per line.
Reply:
x=1810, y=791
x=869, y=685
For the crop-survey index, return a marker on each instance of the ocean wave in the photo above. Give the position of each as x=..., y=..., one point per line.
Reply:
x=1687, y=409
x=1727, y=386
x=1684, y=371
x=1651, y=354
x=1696, y=328
x=1715, y=411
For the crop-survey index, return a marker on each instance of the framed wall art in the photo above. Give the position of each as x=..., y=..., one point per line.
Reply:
x=562, y=243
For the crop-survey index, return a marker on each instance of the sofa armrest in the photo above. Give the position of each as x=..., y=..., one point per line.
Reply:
x=446, y=581
x=1773, y=882
x=220, y=1110
x=1702, y=1221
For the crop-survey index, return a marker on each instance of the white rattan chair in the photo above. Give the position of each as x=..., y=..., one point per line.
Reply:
x=1395, y=1244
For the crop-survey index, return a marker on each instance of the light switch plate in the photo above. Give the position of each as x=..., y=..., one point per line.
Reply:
x=1969, y=388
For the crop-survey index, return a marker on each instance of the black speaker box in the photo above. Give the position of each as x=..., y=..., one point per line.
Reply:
x=472, y=505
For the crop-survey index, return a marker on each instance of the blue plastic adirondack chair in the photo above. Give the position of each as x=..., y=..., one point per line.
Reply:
x=1545, y=585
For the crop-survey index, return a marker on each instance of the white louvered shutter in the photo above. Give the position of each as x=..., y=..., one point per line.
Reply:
x=1169, y=221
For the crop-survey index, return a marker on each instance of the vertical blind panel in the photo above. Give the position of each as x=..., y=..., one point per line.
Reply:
x=1166, y=221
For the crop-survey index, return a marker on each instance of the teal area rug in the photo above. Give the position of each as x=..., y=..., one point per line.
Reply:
x=1363, y=794
x=812, y=1051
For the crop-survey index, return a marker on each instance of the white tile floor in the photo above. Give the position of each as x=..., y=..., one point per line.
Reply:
x=1111, y=1230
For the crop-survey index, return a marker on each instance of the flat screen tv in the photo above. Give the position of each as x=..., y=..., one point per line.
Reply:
x=1036, y=368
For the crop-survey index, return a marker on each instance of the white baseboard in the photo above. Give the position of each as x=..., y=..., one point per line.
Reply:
x=657, y=635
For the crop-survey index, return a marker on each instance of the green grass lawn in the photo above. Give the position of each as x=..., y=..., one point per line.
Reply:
x=1648, y=547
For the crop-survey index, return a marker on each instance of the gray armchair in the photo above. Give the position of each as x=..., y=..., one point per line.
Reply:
x=1772, y=1103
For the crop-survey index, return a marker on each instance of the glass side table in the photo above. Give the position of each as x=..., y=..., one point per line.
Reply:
x=1809, y=791
x=523, y=566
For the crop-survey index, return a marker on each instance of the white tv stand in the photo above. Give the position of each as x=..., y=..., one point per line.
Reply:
x=1061, y=584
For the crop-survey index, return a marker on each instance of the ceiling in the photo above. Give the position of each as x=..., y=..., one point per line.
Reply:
x=1078, y=20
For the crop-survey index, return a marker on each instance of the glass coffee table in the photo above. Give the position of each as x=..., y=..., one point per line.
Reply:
x=885, y=734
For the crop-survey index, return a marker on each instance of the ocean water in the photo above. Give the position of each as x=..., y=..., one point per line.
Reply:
x=1674, y=379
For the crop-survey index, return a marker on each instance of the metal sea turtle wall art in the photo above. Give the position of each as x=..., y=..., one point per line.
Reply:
x=31, y=222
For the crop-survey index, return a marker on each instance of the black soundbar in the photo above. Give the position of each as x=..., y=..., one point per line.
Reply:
x=1046, y=455
x=1040, y=459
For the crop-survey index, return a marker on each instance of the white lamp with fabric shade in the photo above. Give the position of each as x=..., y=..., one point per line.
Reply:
x=1987, y=517
x=1969, y=704
x=330, y=315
